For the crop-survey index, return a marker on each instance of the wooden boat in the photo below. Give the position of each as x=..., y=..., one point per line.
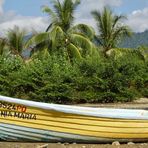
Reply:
x=22, y=120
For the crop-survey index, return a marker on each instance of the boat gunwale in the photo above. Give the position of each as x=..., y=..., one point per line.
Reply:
x=133, y=114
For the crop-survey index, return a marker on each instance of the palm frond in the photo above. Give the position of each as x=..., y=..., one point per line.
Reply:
x=39, y=47
x=121, y=31
x=117, y=19
x=109, y=27
x=15, y=40
x=53, y=16
x=49, y=27
x=56, y=34
x=83, y=43
x=58, y=9
x=42, y=54
x=37, y=39
x=62, y=13
x=47, y=10
x=86, y=30
x=74, y=51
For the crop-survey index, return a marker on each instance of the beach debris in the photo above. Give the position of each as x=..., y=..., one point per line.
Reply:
x=116, y=143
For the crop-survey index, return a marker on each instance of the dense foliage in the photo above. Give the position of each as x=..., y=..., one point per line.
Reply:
x=93, y=79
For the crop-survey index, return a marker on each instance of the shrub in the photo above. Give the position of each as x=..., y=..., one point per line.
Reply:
x=58, y=80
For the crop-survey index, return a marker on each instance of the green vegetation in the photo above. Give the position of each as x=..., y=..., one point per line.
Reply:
x=61, y=36
x=110, y=29
x=66, y=66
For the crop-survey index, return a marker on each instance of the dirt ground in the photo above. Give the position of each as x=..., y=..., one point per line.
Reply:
x=140, y=103
x=50, y=145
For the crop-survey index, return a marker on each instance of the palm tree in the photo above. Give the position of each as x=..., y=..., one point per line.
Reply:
x=110, y=28
x=15, y=40
x=62, y=15
x=61, y=34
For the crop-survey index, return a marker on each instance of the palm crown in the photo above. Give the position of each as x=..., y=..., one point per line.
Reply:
x=110, y=28
x=61, y=32
x=62, y=15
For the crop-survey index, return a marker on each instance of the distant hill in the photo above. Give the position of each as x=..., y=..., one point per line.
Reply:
x=136, y=40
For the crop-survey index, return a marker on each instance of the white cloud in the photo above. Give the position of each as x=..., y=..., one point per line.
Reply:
x=10, y=19
x=89, y=5
x=83, y=13
x=138, y=20
x=29, y=23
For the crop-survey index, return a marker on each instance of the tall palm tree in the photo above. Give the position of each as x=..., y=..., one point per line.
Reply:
x=62, y=14
x=76, y=40
x=110, y=28
x=15, y=40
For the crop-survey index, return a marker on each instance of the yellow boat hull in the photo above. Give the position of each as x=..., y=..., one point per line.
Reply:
x=27, y=123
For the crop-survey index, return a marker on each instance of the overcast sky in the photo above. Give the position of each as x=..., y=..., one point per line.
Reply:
x=27, y=13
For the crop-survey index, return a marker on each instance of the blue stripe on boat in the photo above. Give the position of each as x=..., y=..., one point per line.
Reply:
x=11, y=132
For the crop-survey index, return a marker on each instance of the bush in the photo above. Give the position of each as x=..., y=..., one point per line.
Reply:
x=8, y=65
x=58, y=80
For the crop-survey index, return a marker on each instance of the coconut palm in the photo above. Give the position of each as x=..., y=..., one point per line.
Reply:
x=61, y=34
x=15, y=40
x=110, y=28
x=62, y=14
